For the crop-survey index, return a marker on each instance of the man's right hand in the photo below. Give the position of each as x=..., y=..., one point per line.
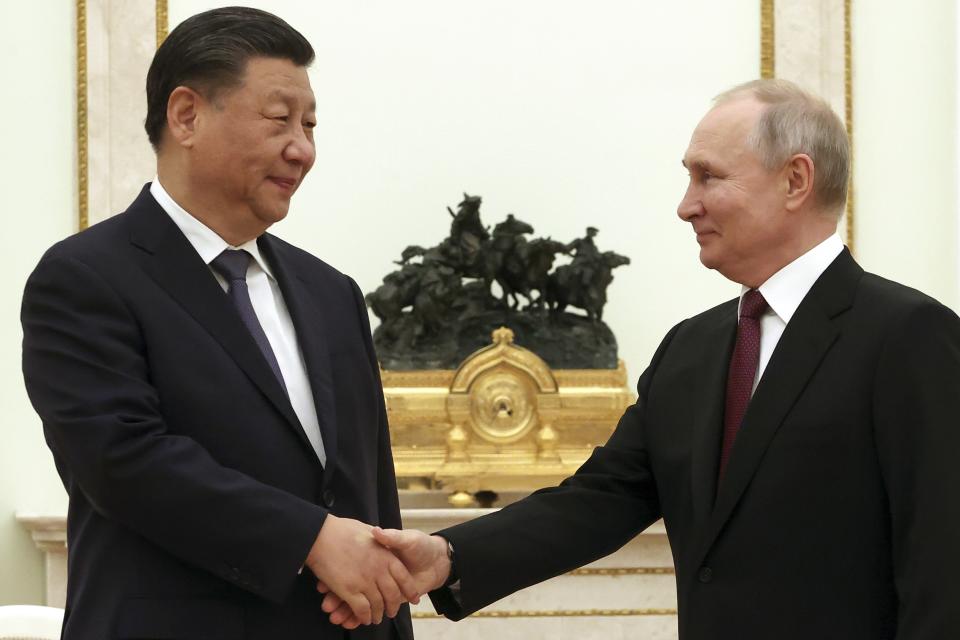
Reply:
x=424, y=556
x=365, y=575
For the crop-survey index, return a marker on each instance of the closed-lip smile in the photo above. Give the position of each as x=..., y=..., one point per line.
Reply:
x=286, y=183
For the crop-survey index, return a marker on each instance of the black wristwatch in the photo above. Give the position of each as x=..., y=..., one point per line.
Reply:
x=454, y=577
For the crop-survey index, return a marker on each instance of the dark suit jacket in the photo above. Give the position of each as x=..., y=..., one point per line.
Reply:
x=838, y=516
x=194, y=492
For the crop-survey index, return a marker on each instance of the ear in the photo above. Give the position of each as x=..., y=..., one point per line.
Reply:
x=182, y=109
x=799, y=174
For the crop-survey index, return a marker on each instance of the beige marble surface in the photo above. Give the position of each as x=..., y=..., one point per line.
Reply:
x=637, y=581
x=585, y=628
x=121, y=40
x=809, y=43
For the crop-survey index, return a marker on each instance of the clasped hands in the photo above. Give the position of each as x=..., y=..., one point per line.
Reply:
x=367, y=572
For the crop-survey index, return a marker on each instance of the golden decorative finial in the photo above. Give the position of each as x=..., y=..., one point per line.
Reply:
x=461, y=500
x=503, y=335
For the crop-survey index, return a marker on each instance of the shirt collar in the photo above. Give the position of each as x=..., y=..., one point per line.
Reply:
x=202, y=238
x=786, y=289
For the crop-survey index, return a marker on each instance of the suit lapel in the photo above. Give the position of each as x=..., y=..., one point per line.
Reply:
x=309, y=321
x=712, y=380
x=175, y=265
x=802, y=347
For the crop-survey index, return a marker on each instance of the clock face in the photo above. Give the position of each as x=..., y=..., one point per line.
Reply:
x=502, y=404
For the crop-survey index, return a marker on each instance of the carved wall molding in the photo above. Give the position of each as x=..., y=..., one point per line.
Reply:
x=560, y=613
x=49, y=533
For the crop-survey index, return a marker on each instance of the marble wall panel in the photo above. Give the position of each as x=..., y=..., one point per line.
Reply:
x=121, y=41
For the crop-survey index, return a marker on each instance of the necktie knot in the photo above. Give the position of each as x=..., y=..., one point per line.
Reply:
x=232, y=264
x=753, y=304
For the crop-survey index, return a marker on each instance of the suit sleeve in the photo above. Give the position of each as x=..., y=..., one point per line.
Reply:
x=591, y=514
x=917, y=421
x=87, y=375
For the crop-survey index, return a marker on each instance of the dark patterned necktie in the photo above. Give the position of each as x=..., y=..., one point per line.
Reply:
x=232, y=265
x=743, y=370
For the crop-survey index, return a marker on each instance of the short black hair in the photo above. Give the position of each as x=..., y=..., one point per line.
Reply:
x=208, y=52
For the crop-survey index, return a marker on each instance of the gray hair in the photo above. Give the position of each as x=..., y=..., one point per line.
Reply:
x=796, y=121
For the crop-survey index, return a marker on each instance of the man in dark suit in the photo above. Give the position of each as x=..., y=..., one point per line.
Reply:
x=804, y=458
x=209, y=392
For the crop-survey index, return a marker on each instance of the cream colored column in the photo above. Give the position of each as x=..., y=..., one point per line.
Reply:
x=809, y=47
x=810, y=42
x=121, y=40
x=49, y=533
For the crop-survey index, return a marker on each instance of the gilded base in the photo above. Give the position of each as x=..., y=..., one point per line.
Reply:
x=502, y=421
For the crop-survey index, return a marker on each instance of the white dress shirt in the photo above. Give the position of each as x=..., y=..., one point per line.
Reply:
x=268, y=304
x=785, y=290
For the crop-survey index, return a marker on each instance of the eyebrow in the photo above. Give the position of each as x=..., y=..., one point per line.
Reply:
x=699, y=165
x=287, y=96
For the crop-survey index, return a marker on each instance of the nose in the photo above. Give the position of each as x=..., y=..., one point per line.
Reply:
x=691, y=205
x=300, y=150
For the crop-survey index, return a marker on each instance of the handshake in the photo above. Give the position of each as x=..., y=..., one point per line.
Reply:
x=367, y=572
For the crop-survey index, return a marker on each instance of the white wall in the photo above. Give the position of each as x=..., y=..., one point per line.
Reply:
x=905, y=153
x=37, y=169
x=563, y=113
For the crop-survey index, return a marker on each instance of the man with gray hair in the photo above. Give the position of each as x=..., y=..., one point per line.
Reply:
x=799, y=441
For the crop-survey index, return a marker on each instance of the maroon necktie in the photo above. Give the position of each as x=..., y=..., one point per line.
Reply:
x=743, y=370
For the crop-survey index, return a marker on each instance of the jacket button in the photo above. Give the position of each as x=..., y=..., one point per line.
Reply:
x=329, y=498
x=705, y=575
